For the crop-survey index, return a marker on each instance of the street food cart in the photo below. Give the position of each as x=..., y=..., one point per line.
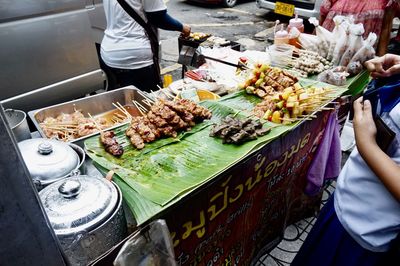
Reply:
x=222, y=203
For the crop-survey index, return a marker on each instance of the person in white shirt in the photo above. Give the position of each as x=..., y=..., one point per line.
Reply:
x=361, y=220
x=126, y=48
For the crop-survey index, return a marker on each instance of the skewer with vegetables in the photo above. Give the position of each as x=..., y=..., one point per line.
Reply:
x=293, y=104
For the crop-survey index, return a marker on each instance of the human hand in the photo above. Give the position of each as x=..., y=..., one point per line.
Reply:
x=384, y=66
x=364, y=125
x=186, y=30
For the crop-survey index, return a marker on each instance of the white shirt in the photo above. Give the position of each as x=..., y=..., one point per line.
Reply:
x=365, y=208
x=125, y=44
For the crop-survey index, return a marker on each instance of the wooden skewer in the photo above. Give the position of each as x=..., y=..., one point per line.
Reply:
x=58, y=125
x=148, y=102
x=311, y=116
x=147, y=98
x=119, y=108
x=115, y=120
x=95, y=123
x=167, y=94
x=64, y=130
x=144, y=109
x=128, y=115
x=141, y=112
x=119, y=116
x=154, y=95
x=138, y=106
x=294, y=119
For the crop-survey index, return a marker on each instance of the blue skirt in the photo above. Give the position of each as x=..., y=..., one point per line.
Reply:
x=329, y=244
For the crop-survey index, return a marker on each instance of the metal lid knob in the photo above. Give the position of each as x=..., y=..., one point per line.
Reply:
x=70, y=188
x=45, y=148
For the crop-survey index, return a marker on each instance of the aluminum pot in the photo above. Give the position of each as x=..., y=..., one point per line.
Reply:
x=50, y=160
x=87, y=216
x=18, y=124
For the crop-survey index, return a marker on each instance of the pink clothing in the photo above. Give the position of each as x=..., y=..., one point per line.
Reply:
x=368, y=12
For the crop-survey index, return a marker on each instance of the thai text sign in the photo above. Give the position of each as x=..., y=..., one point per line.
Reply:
x=230, y=219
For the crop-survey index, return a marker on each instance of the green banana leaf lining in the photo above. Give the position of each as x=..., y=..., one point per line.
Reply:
x=167, y=169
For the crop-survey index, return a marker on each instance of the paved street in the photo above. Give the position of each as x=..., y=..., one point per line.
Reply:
x=245, y=24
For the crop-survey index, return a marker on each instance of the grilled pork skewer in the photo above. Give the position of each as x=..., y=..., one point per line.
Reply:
x=108, y=140
x=110, y=143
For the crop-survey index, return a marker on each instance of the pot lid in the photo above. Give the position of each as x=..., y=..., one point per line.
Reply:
x=48, y=160
x=78, y=204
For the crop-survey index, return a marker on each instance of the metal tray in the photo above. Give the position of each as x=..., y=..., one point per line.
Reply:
x=96, y=105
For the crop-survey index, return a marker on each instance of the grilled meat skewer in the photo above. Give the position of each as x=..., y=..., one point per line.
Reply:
x=111, y=144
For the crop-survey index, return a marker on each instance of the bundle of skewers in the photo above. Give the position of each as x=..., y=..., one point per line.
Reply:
x=164, y=118
x=68, y=127
x=309, y=63
x=303, y=62
x=266, y=80
x=235, y=130
x=294, y=104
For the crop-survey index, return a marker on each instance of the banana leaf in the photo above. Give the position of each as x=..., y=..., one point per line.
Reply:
x=168, y=168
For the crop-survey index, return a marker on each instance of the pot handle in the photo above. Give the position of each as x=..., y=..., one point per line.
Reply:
x=74, y=173
x=38, y=184
x=70, y=188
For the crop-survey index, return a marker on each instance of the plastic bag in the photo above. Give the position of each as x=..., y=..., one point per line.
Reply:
x=336, y=76
x=325, y=37
x=337, y=32
x=309, y=42
x=356, y=42
x=367, y=51
x=151, y=245
x=353, y=68
x=342, y=42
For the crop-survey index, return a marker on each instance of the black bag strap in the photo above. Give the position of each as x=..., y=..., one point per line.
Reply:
x=151, y=34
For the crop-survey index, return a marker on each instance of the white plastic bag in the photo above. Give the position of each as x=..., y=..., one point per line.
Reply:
x=336, y=76
x=309, y=42
x=337, y=32
x=356, y=42
x=342, y=43
x=325, y=37
x=367, y=51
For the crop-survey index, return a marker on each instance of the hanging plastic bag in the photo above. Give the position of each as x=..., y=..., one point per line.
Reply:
x=324, y=35
x=151, y=245
x=309, y=42
x=367, y=51
x=342, y=42
x=356, y=42
x=337, y=32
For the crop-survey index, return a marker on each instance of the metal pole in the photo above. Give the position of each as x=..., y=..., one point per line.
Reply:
x=26, y=236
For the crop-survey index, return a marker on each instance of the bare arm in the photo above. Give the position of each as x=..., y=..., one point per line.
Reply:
x=387, y=23
x=381, y=164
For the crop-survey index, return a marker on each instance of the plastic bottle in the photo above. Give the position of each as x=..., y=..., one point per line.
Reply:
x=294, y=35
x=281, y=36
x=296, y=22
